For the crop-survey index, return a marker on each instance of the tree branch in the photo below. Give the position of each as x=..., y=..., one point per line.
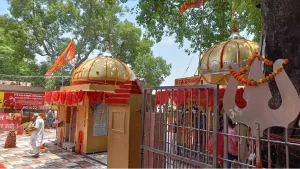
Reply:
x=46, y=50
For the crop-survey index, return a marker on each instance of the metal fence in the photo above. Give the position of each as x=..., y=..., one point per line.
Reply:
x=176, y=134
x=182, y=129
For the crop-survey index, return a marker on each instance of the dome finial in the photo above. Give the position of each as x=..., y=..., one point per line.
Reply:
x=235, y=31
x=107, y=54
x=234, y=27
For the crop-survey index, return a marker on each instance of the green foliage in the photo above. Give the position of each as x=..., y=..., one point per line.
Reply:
x=51, y=24
x=14, y=56
x=46, y=22
x=130, y=47
x=161, y=18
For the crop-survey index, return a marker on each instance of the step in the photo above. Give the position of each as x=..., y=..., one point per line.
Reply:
x=119, y=95
x=129, y=83
x=125, y=86
x=131, y=91
x=116, y=101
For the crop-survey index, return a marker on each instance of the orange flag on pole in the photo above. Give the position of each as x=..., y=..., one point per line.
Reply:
x=187, y=5
x=64, y=58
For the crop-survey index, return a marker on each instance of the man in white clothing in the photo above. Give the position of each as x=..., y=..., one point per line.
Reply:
x=37, y=135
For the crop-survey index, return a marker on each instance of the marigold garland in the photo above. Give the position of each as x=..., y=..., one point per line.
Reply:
x=239, y=76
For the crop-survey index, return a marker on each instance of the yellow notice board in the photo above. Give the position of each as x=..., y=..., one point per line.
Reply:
x=53, y=106
x=1, y=99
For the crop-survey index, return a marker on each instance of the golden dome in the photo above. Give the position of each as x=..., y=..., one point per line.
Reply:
x=102, y=70
x=235, y=50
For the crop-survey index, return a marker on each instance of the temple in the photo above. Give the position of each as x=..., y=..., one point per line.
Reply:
x=100, y=111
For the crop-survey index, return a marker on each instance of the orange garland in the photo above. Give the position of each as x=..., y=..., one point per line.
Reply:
x=239, y=76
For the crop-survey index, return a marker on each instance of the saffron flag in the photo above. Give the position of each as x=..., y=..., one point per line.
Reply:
x=187, y=5
x=64, y=58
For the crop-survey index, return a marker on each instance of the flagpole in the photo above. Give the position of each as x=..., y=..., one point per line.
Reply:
x=62, y=77
x=201, y=39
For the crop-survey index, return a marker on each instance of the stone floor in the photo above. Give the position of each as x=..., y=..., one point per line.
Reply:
x=56, y=157
x=99, y=156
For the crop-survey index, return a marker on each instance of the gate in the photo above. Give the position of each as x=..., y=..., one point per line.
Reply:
x=178, y=122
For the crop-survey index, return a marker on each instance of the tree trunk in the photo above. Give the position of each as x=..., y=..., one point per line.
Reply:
x=281, y=32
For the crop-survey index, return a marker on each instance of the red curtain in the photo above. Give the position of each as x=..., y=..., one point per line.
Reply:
x=181, y=95
x=184, y=94
x=48, y=96
x=78, y=96
x=178, y=96
x=95, y=97
x=63, y=96
x=55, y=96
x=69, y=98
x=162, y=97
x=72, y=97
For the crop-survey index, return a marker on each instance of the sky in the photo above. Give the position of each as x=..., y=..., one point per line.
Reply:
x=167, y=48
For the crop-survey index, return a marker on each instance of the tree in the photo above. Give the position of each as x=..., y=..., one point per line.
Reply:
x=161, y=17
x=282, y=37
x=48, y=22
x=131, y=48
x=279, y=20
x=95, y=27
x=14, y=56
x=152, y=69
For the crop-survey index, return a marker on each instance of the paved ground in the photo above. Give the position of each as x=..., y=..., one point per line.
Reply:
x=56, y=157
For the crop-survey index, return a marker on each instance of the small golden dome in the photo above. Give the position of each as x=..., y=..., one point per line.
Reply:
x=235, y=50
x=102, y=70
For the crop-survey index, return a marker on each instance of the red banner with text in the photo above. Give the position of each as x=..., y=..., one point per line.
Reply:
x=21, y=101
x=7, y=122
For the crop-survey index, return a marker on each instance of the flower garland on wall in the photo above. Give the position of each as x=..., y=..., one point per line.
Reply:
x=240, y=76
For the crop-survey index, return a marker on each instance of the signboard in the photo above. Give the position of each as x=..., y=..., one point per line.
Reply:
x=21, y=101
x=100, y=125
x=6, y=122
x=187, y=81
x=1, y=99
x=53, y=106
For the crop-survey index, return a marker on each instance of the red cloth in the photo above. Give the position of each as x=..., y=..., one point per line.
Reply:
x=55, y=96
x=78, y=96
x=48, y=96
x=95, y=97
x=220, y=147
x=178, y=96
x=162, y=97
x=63, y=96
x=69, y=98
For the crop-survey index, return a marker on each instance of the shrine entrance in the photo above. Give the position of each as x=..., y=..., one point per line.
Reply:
x=177, y=123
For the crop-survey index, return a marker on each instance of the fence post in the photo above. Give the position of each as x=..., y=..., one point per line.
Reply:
x=215, y=126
